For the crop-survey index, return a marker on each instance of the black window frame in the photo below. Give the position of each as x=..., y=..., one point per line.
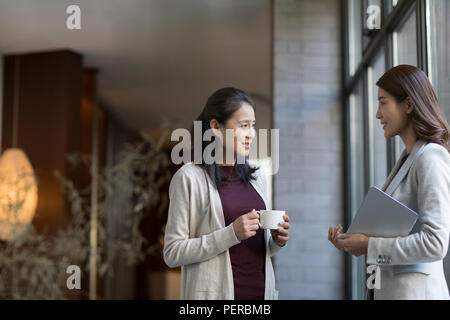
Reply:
x=380, y=40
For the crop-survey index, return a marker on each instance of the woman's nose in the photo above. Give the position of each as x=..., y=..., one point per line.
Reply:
x=378, y=115
x=251, y=134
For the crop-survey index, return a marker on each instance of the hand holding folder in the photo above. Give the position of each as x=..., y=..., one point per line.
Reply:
x=380, y=215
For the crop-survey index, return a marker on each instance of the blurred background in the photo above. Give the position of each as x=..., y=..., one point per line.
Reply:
x=86, y=117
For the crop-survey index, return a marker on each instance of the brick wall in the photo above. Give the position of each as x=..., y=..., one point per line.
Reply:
x=307, y=110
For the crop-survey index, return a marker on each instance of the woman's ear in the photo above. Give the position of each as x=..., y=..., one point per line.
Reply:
x=409, y=105
x=214, y=124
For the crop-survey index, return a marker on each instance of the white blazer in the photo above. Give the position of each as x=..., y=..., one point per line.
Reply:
x=412, y=266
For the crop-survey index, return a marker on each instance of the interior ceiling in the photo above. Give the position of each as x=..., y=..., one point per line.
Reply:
x=157, y=59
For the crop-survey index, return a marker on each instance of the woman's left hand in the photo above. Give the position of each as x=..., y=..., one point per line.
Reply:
x=281, y=235
x=355, y=244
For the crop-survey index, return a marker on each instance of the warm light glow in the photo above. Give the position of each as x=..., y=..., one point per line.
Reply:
x=18, y=193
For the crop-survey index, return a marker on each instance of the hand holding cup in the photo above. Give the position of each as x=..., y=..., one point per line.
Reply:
x=246, y=225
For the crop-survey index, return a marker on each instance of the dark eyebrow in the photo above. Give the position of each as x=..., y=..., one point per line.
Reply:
x=247, y=121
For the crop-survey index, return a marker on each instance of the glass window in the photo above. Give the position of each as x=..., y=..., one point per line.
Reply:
x=405, y=42
x=405, y=52
x=368, y=146
x=391, y=4
x=377, y=141
x=357, y=147
x=357, y=182
x=437, y=17
x=354, y=35
x=438, y=14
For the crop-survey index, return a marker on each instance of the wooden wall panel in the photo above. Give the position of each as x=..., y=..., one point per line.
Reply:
x=48, y=88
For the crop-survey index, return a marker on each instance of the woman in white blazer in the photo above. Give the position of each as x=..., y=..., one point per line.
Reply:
x=412, y=266
x=212, y=229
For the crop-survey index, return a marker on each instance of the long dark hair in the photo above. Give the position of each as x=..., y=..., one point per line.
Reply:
x=427, y=118
x=220, y=106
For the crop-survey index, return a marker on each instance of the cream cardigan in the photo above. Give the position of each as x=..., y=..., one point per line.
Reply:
x=197, y=239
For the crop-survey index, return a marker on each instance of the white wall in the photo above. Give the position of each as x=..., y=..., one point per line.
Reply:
x=307, y=110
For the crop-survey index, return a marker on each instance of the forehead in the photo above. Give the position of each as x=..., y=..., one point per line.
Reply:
x=245, y=112
x=383, y=93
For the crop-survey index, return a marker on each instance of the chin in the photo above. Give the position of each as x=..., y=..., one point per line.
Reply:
x=387, y=134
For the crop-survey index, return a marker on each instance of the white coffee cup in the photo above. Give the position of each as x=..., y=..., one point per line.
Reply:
x=269, y=219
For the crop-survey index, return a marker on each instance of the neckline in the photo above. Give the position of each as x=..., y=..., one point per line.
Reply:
x=226, y=167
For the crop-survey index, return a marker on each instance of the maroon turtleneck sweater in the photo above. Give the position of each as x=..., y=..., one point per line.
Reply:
x=247, y=257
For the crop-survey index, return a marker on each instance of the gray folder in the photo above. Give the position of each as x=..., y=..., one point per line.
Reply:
x=380, y=215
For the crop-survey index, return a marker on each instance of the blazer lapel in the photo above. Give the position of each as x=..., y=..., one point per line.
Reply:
x=415, y=153
x=393, y=172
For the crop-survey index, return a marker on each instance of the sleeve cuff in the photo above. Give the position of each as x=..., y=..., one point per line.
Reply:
x=372, y=251
x=273, y=246
x=226, y=238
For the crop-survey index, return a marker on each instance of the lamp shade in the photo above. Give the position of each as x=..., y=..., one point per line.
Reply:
x=18, y=193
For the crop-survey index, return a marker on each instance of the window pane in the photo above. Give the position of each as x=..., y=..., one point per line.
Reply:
x=439, y=51
x=405, y=42
x=357, y=181
x=405, y=52
x=391, y=4
x=355, y=35
x=357, y=148
x=438, y=15
x=378, y=145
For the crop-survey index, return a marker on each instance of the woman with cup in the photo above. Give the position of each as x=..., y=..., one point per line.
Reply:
x=212, y=229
